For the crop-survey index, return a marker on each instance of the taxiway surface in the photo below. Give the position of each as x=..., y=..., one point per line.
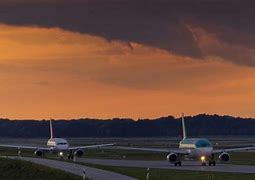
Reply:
x=187, y=165
x=92, y=173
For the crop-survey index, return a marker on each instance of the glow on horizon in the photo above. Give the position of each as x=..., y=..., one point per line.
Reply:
x=53, y=73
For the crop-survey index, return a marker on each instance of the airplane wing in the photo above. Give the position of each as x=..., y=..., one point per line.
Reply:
x=91, y=146
x=218, y=151
x=24, y=147
x=177, y=151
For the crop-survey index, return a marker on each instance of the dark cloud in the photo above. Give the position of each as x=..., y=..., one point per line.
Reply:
x=136, y=21
x=158, y=23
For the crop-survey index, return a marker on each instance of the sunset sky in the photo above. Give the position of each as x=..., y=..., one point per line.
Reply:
x=126, y=58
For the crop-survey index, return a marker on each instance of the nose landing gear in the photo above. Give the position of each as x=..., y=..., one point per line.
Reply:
x=211, y=162
x=203, y=161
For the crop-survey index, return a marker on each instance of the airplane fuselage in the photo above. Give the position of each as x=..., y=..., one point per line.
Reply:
x=196, y=148
x=58, y=144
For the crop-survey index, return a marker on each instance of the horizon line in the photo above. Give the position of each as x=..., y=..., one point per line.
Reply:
x=121, y=118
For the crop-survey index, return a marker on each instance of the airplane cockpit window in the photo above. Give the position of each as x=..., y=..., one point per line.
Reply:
x=62, y=143
x=203, y=143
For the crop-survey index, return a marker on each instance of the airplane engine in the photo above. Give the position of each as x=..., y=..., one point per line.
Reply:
x=78, y=152
x=224, y=156
x=38, y=152
x=172, y=157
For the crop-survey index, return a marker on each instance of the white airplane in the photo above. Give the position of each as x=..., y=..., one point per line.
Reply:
x=59, y=146
x=193, y=149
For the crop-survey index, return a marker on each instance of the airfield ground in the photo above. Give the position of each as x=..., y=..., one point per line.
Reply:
x=166, y=174
x=14, y=169
x=245, y=158
x=140, y=173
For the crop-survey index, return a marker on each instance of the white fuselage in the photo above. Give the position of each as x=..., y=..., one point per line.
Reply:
x=197, y=148
x=58, y=144
x=200, y=152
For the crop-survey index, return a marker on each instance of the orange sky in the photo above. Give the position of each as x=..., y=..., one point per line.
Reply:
x=53, y=73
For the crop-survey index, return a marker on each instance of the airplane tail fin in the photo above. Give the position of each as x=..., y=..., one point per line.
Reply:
x=183, y=127
x=51, y=130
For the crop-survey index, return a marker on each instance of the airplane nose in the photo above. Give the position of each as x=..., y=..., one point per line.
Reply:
x=205, y=152
x=209, y=152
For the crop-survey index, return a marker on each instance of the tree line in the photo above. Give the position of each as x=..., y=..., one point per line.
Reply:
x=200, y=125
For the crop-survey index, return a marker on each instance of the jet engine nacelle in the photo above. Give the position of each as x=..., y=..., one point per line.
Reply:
x=172, y=157
x=38, y=152
x=78, y=152
x=224, y=156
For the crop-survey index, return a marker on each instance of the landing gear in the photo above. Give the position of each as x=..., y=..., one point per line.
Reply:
x=203, y=159
x=212, y=163
x=61, y=155
x=178, y=163
x=70, y=157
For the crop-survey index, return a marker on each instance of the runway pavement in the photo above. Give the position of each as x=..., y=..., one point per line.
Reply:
x=187, y=165
x=92, y=173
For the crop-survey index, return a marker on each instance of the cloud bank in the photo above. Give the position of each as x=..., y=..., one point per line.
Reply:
x=126, y=58
x=70, y=74
x=161, y=24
